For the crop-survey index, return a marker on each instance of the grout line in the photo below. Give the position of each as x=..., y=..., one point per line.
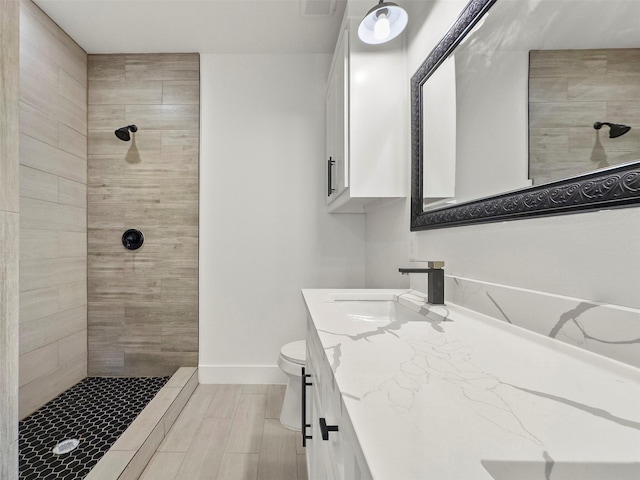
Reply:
x=233, y=417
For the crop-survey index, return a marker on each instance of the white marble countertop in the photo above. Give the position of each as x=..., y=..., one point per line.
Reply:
x=459, y=394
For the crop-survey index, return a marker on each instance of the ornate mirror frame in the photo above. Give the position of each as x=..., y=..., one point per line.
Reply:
x=613, y=187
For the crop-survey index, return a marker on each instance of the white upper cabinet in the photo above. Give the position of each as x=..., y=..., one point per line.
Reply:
x=366, y=125
x=337, y=118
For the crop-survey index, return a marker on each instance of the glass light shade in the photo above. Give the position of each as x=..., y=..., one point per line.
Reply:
x=395, y=15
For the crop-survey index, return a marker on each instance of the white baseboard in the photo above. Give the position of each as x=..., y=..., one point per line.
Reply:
x=241, y=374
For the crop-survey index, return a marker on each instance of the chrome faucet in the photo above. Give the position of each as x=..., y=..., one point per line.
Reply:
x=435, y=280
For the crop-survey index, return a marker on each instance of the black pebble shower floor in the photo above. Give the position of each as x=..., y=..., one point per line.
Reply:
x=96, y=411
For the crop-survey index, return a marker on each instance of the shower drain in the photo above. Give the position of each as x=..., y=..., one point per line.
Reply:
x=66, y=446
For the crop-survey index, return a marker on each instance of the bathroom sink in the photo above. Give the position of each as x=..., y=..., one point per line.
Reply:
x=532, y=470
x=378, y=311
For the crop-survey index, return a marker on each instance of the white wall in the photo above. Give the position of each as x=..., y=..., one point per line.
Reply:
x=387, y=246
x=264, y=230
x=593, y=256
x=387, y=229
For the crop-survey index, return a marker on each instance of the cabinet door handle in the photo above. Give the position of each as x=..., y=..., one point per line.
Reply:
x=325, y=429
x=304, y=423
x=330, y=190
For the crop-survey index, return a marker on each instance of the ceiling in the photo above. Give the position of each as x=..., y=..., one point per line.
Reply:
x=204, y=26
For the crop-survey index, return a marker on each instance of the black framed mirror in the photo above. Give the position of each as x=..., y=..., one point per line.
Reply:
x=605, y=188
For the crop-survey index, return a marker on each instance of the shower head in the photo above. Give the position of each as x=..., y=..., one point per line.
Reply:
x=123, y=133
x=615, y=129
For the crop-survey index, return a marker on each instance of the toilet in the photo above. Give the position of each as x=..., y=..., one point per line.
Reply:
x=293, y=357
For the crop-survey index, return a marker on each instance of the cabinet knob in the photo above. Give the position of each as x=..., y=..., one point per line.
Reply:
x=325, y=429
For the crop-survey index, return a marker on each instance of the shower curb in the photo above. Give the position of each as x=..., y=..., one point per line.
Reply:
x=128, y=457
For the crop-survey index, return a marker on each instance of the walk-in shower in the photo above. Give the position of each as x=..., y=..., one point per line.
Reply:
x=65, y=438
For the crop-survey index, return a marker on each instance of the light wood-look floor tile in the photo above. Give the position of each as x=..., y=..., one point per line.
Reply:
x=228, y=436
x=239, y=466
x=163, y=466
x=255, y=388
x=278, y=458
x=275, y=397
x=206, y=390
x=225, y=401
x=204, y=457
x=246, y=432
x=184, y=429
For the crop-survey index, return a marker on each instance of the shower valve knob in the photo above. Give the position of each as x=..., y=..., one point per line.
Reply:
x=132, y=239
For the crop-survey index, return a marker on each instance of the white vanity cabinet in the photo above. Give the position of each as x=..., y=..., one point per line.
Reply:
x=365, y=122
x=339, y=456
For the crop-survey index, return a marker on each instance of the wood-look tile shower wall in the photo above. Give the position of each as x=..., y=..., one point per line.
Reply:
x=570, y=90
x=143, y=304
x=9, y=206
x=53, y=210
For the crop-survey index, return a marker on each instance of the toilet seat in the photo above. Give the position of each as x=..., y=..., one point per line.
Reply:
x=295, y=352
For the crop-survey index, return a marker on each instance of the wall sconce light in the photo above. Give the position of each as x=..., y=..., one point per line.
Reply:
x=615, y=129
x=382, y=23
